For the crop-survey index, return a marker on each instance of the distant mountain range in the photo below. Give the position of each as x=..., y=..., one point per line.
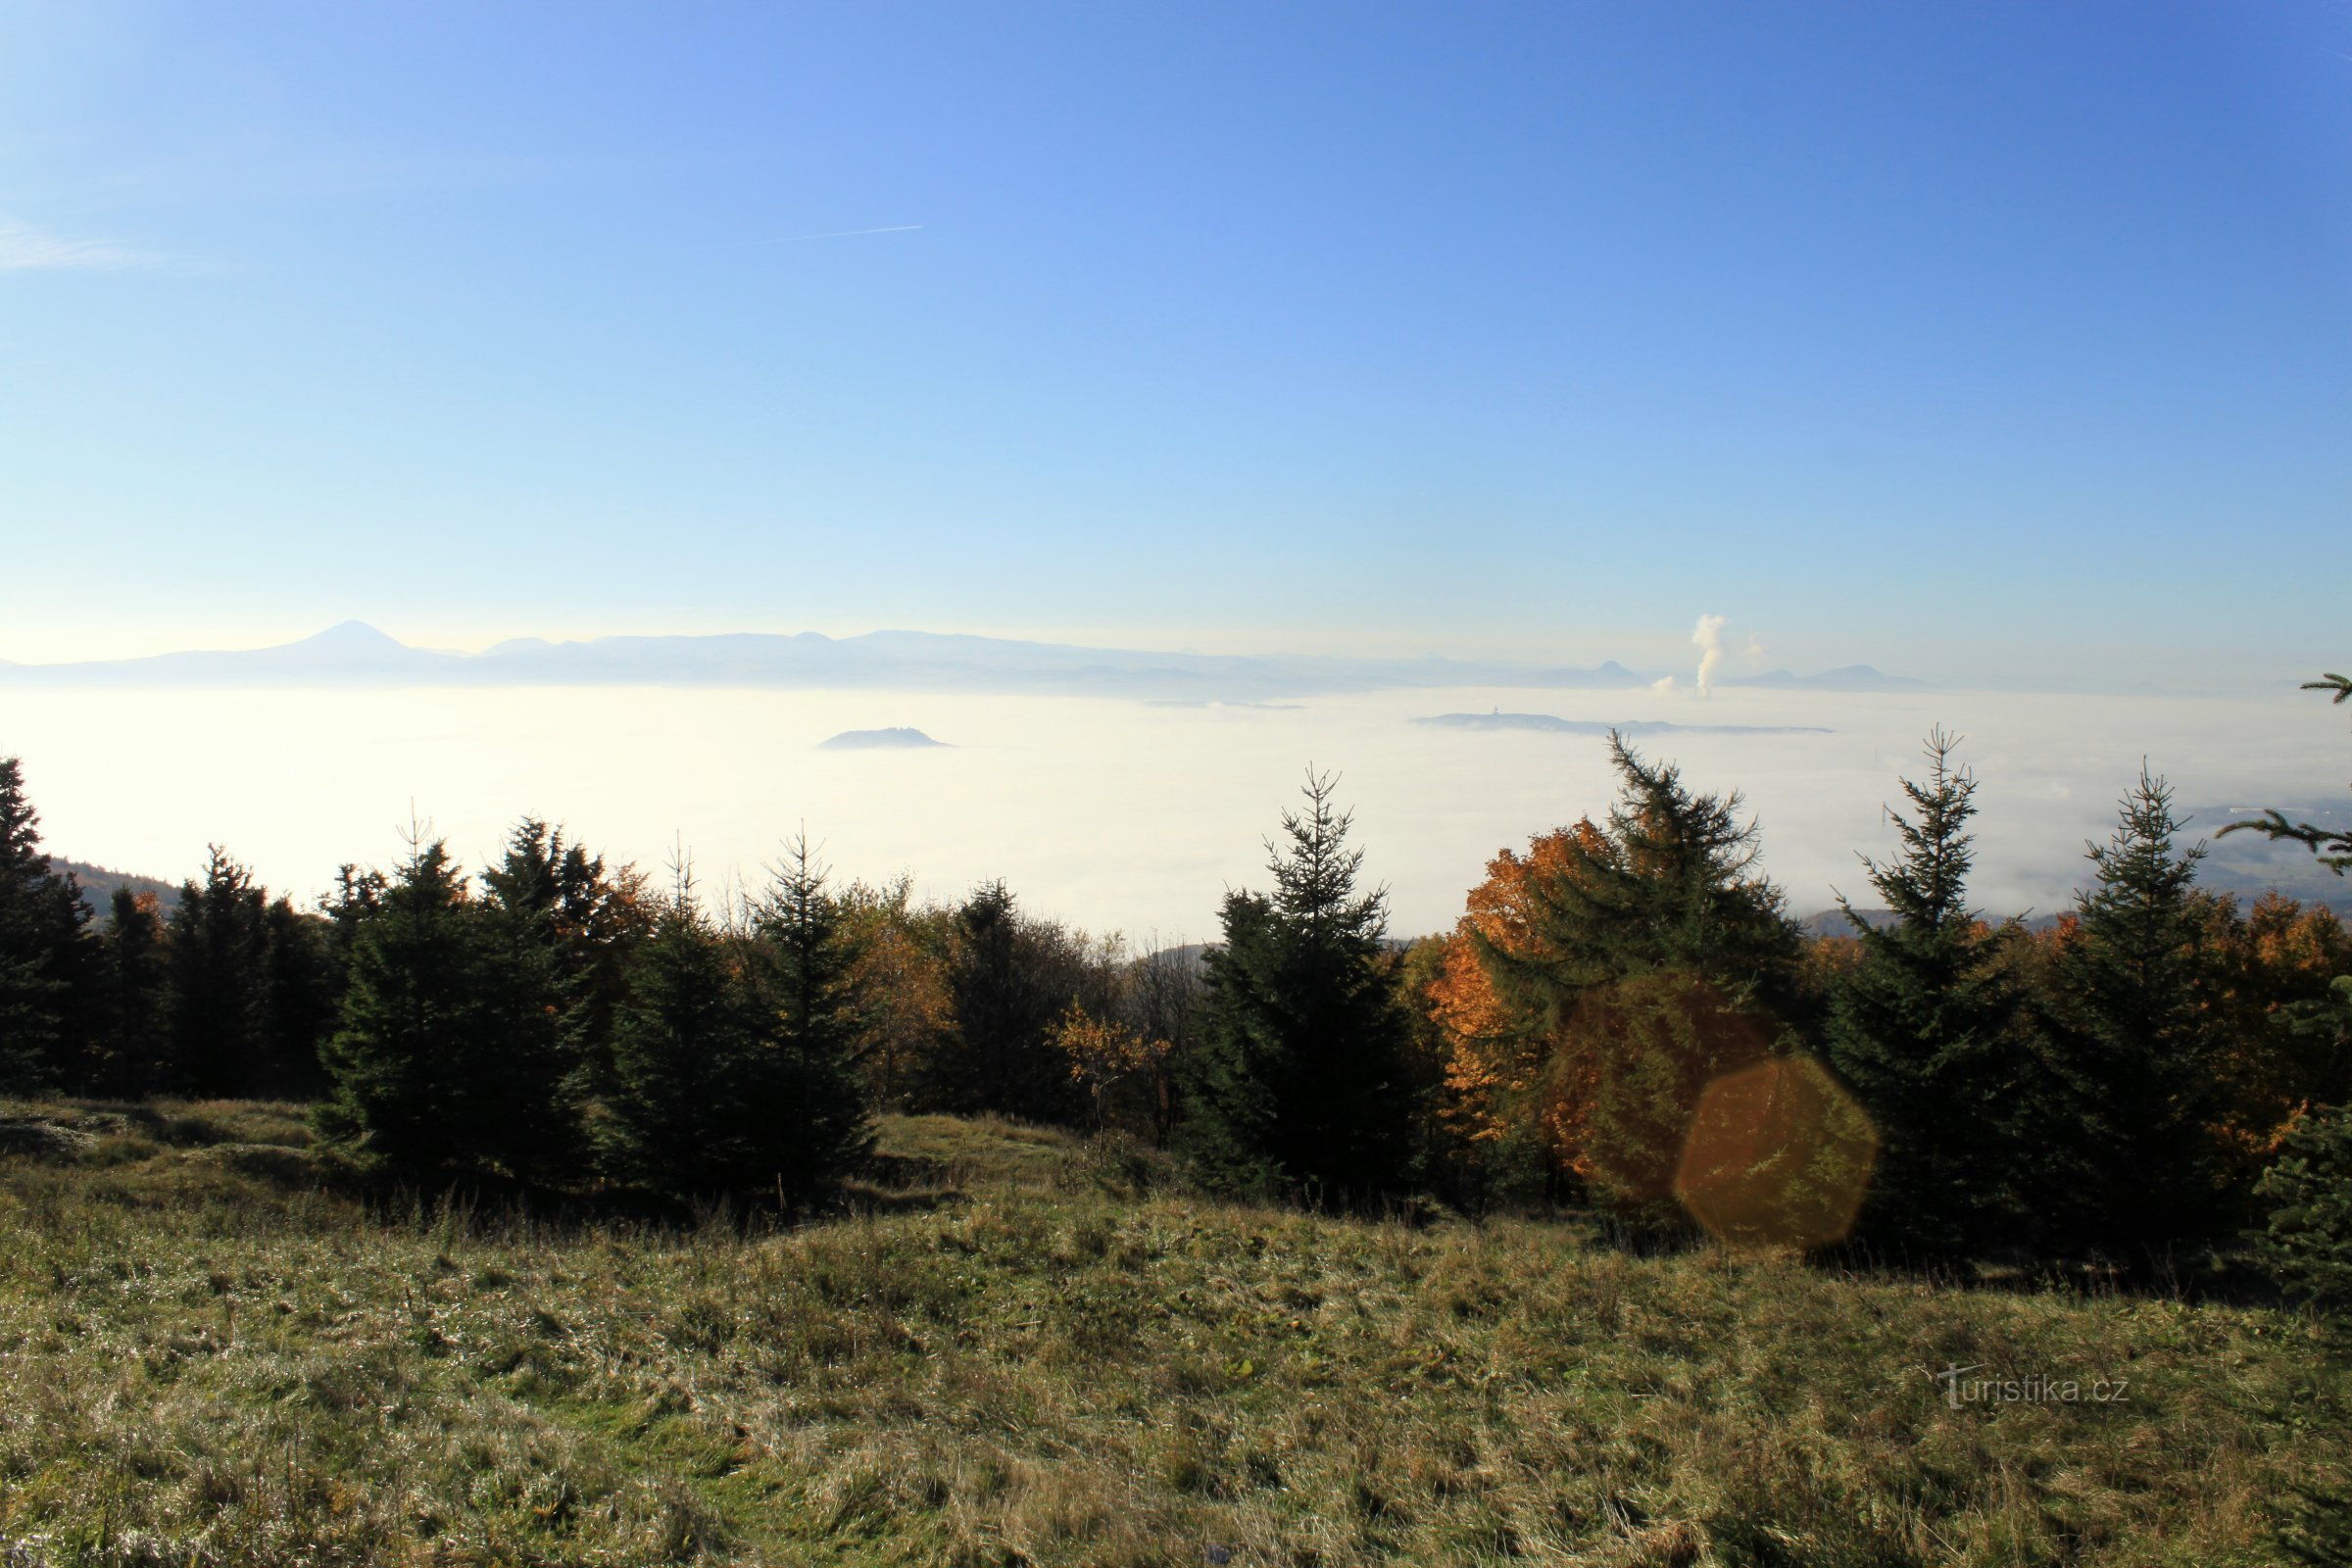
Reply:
x=1549, y=724
x=357, y=654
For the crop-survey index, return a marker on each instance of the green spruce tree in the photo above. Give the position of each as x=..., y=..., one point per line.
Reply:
x=1930, y=1030
x=2306, y=1241
x=586, y=920
x=1004, y=997
x=2135, y=1037
x=218, y=957
x=1302, y=1078
x=250, y=991
x=805, y=1078
x=732, y=1057
x=1669, y=886
x=1655, y=958
x=301, y=1005
x=48, y=958
x=681, y=1112
x=453, y=1052
x=357, y=897
x=134, y=1051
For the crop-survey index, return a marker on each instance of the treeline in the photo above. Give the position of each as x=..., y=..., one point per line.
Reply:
x=1626, y=1017
x=553, y=1019
x=2116, y=1084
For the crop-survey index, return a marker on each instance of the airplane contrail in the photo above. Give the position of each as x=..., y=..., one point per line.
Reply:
x=847, y=233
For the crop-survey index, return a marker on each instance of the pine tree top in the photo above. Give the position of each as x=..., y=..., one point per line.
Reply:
x=1927, y=885
x=2141, y=875
x=1315, y=876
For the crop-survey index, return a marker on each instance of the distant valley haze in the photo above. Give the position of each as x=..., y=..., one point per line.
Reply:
x=1121, y=787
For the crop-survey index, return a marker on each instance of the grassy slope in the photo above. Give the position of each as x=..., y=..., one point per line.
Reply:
x=206, y=1361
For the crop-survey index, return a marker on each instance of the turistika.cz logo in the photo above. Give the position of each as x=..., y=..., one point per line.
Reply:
x=2033, y=1388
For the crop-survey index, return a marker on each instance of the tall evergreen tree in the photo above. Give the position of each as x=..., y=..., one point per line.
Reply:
x=1642, y=960
x=2135, y=1032
x=2306, y=1198
x=47, y=955
x=132, y=1056
x=357, y=897
x=586, y=919
x=300, y=1005
x=218, y=957
x=1932, y=1031
x=731, y=1056
x=1005, y=994
x=808, y=1072
x=678, y=1118
x=1668, y=886
x=453, y=1050
x=1301, y=1077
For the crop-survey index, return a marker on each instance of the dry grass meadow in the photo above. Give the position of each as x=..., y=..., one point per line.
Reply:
x=1020, y=1349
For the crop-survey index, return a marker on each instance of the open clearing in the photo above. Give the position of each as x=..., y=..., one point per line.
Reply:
x=1025, y=1350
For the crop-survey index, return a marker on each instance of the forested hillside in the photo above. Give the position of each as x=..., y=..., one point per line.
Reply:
x=99, y=883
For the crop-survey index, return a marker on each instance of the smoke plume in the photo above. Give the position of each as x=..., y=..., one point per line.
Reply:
x=1709, y=641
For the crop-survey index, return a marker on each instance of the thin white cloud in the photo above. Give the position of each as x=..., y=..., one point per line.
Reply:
x=848, y=233
x=25, y=249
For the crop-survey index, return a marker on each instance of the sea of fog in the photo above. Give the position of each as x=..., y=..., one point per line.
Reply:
x=1113, y=814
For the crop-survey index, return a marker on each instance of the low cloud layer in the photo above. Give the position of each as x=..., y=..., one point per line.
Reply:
x=1046, y=791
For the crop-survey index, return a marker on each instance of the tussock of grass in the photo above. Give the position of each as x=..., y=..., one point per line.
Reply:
x=209, y=1359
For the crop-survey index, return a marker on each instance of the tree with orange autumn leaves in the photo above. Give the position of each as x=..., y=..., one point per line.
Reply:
x=1597, y=982
x=1506, y=1078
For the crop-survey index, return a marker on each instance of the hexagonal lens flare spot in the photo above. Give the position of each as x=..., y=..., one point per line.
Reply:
x=1779, y=1156
x=1651, y=1044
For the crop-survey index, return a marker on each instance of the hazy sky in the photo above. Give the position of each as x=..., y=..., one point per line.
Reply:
x=1968, y=340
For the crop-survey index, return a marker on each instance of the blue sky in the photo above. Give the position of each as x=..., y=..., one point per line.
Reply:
x=1968, y=340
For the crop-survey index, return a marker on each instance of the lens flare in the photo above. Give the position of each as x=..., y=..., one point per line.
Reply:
x=1779, y=1156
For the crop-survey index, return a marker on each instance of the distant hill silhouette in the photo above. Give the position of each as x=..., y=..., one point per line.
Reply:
x=98, y=884
x=879, y=740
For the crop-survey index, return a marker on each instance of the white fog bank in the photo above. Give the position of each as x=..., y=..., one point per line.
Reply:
x=1113, y=814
